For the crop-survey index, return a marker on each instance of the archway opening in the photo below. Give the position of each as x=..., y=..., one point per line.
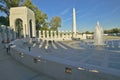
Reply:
x=30, y=23
x=19, y=28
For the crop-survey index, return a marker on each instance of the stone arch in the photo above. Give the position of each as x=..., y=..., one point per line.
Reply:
x=19, y=27
x=27, y=19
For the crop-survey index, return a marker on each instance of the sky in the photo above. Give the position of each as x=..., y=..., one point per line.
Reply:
x=88, y=12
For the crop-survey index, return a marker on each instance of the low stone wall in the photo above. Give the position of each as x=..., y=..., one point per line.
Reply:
x=59, y=71
x=42, y=65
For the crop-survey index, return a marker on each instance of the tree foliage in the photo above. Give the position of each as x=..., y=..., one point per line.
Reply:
x=55, y=23
x=40, y=17
x=4, y=21
x=114, y=30
x=45, y=26
x=30, y=5
x=88, y=32
x=5, y=5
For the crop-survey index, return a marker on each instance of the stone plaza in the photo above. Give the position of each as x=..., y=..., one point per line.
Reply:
x=55, y=55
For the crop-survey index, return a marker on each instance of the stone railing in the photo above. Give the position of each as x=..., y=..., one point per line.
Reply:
x=55, y=35
x=7, y=34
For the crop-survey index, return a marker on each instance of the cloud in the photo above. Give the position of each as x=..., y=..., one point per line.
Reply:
x=77, y=12
x=71, y=16
x=65, y=11
x=85, y=12
x=68, y=19
x=115, y=10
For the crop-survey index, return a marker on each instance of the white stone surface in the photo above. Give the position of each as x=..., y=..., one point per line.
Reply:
x=10, y=69
x=43, y=34
x=25, y=15
x=98, y=64
x=40, y=34
x=84, y=36
x=74, y=22
x=47, y=34
x=57, y=36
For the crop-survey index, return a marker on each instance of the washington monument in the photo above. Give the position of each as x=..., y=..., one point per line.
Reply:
x=74, y=23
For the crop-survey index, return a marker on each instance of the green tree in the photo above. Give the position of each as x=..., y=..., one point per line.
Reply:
x=30, y=5
x=115, y=30
x=55, y=23
x=45, y=26
x=40, y=20
x=106, y=31
x=40, y=17
x=5, y=5
x=88, y=32
x=4, y=20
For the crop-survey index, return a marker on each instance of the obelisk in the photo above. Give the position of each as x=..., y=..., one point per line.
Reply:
x=74, y=23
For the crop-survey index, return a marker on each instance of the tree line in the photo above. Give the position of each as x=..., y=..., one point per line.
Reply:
x=40, y=17
x=114, y=30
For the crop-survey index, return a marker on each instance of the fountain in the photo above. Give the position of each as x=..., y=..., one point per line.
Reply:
x=112, y=44
x=107, y=44
x=98, y=35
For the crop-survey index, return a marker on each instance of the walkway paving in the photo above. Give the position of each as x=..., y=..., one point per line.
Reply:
x=13, y=70
x=100, y=60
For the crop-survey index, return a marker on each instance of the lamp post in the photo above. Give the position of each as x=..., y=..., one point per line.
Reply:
x=0, y=34
x=12, y=34
x=7, y=34
x=2, y=37
x=3, y=31
x=0, y=29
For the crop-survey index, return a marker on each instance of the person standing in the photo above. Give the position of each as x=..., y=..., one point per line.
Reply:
x=29, y=48
x=6, y=46
x=9, y=49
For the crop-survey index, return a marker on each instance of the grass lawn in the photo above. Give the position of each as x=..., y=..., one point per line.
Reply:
x=111, y=37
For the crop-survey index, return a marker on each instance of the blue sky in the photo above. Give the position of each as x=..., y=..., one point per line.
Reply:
x=88, y=12
x=107, y=12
